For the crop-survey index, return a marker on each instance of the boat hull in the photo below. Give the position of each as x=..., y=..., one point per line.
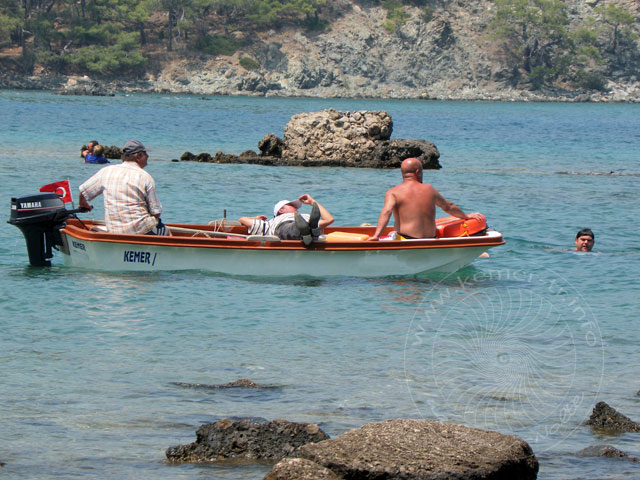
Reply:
x=101, y=251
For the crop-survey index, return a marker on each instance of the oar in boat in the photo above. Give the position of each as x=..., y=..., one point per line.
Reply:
x=250, y=238
x=207, y=233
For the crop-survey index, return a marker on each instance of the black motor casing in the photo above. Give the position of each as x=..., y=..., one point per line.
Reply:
x=40, y=217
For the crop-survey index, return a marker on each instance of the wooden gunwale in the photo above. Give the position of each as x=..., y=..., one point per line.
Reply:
x=75, y=229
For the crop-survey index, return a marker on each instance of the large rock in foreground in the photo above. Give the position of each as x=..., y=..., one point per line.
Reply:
x=247, y=440
x=350, y=139
x=415, y=449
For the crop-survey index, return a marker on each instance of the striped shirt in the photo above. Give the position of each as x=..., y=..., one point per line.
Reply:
x=269, y=227
x=130, y=199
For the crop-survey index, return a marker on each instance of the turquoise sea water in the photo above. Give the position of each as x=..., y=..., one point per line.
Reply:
x=525, y=342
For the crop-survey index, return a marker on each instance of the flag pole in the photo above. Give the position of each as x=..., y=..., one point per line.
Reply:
x=73, y=206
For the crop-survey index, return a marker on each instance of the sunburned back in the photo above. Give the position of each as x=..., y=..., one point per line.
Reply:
x=415, y=209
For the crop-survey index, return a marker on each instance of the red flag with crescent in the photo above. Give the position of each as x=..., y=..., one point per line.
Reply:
x=61, y=188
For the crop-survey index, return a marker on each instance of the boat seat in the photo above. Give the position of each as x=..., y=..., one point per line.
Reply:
x=262, y=238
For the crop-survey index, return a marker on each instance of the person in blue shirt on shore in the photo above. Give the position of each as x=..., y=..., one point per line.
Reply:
x=96, y=156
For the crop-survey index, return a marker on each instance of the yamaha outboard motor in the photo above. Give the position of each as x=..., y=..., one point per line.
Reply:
x=40, y=218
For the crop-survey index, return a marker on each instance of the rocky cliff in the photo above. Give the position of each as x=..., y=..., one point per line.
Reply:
x=450, y=55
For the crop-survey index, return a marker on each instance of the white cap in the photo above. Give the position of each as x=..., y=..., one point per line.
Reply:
x=282, y=203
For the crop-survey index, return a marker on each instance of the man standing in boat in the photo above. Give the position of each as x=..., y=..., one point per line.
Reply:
x=413, y=205
x=288, y=224
x=131, y=205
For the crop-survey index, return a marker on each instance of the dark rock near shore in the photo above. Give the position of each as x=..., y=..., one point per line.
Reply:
x=112, y=152
x=391, y=153
x=605, y=417
x=415, y=449
x=242, y=383
x=605, y=451
x=271, y=146
x=202, y=157
x=91, y=88
x=246, y=440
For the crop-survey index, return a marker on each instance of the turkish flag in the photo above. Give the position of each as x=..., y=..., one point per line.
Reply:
x=61, y=188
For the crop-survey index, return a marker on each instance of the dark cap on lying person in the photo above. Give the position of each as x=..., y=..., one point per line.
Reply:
x=133, y=146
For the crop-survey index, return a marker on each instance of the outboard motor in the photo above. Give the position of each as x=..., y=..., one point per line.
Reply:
x=40, y=218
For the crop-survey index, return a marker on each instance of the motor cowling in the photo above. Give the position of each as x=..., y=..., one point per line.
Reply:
x=39, y=217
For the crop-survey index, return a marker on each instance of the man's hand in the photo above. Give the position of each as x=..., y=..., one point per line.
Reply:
x=306, y=199
x=477, y=216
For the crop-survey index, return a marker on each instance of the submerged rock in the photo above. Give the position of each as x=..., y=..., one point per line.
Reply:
x=605, y=451
x=245, y=439
x=605, y=417
x=414, y=449
x=242, y=383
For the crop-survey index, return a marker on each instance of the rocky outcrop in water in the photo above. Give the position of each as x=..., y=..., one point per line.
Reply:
x=605, y=417
x=412, y=449
x=351, y=139
x=333, y=138
x=605, y=451
x=247, y=440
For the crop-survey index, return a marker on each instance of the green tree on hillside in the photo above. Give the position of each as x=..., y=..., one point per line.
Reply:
x=535, y=36
x=138, y=17
x=587, y=60
x=10, y=21
x=619, y=20
x=177, y=11
x=396, y=15
x=232, y=13
x=272, y=13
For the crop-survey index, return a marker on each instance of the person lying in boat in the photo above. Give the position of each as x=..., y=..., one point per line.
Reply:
x=288, y=224
x=131, y=205
x=413, y=205
x=97, y=156
x=585, y=239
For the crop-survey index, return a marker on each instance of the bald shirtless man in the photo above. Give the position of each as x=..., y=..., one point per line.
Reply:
x=413, y=205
